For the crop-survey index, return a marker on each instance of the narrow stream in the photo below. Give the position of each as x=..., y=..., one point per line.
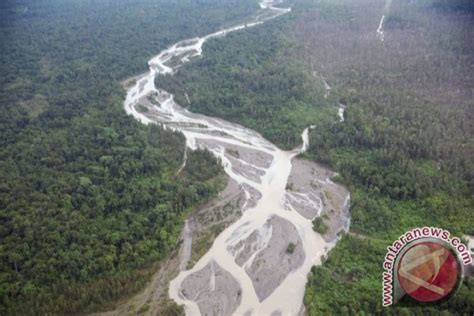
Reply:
x=380, y=30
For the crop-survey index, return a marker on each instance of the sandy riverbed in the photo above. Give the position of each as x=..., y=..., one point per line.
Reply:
x=259, y=261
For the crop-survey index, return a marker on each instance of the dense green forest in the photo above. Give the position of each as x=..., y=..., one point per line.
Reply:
x=89, y=199
x=405, y=149
x=349, y=283
x=247, y=78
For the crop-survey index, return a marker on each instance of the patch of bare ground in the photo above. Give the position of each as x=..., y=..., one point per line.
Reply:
x=313, y=195
x=210, y=220
x=269, y=264
x=214, y=290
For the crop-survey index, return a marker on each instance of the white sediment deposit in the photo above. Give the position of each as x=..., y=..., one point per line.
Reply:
x=327, y=89
x=380, y=33
x=380, y=30
x=268, y=254
x=311, y=193
x=340, y=112
x=258, y=265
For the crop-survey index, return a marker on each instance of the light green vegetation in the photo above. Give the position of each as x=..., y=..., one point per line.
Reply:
x=204, y=242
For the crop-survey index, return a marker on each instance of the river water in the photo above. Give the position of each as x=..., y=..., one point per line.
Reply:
x=261, y=169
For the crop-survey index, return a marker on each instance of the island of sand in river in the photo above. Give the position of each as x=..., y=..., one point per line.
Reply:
x=264, y=244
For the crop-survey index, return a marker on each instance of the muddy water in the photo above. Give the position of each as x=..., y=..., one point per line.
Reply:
x=262, y=170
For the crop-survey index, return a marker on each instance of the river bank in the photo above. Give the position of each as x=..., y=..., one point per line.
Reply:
x=274, y=231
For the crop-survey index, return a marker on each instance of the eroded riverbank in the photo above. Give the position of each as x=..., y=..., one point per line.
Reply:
x=259, y=263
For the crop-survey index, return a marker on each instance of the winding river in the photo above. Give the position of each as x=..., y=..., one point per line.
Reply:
x=259, y=264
